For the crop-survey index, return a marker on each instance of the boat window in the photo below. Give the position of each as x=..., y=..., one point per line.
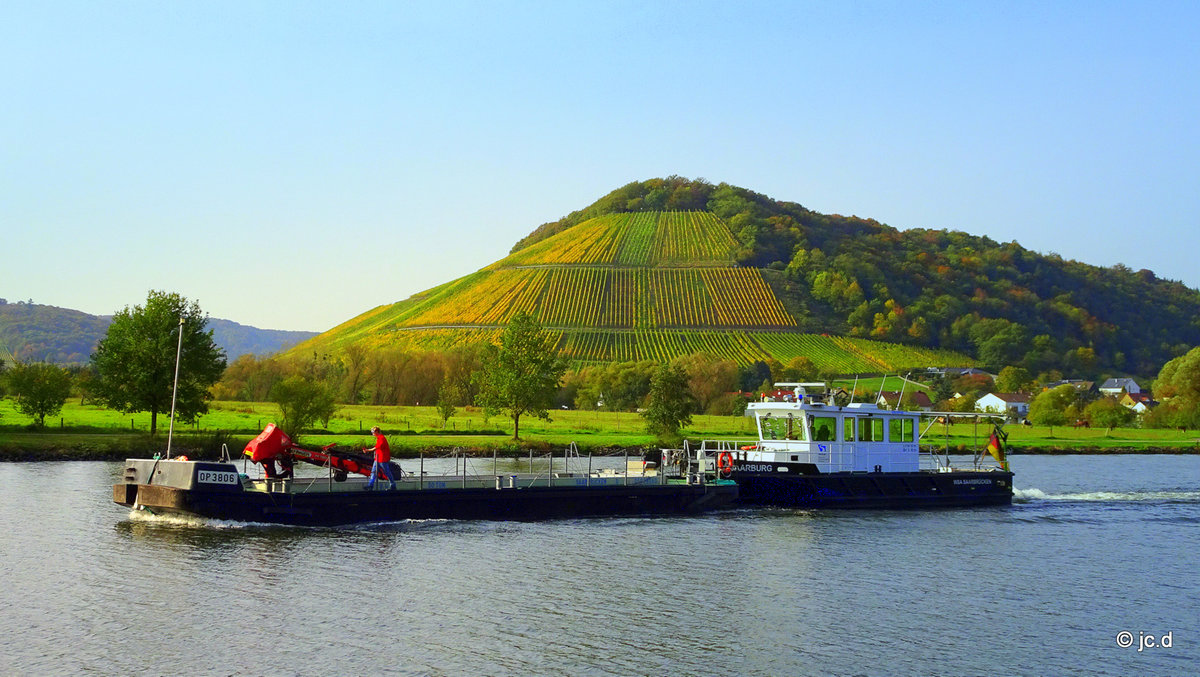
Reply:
x=824, y=428
x=848, y=430
x=870, y=430
x=779, y=428
x=795, y=431
x=901, y=429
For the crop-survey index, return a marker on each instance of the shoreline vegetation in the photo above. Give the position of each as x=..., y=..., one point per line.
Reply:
x=89, y=432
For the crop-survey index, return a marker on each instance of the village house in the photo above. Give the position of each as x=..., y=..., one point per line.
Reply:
x=1077, y=383
x=1113, y=387
x=953, y=372
x=1015, y=405
x=1139, y=402
x=888, y=399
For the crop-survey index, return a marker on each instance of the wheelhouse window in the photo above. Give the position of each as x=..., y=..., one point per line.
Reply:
x=870, y=430
x=780, y=428
x=848, y=429
x=824, y=428
x=901, y=430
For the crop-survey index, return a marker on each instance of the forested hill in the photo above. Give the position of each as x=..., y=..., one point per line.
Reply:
x=948, y=289
x=33, y=332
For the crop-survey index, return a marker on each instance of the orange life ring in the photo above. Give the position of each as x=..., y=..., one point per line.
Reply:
x=725, y=463
x=181, y=457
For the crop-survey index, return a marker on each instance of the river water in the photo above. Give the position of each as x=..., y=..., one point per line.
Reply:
x=1094, y=546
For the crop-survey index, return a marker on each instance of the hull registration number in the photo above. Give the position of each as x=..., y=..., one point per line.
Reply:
x=216, y=477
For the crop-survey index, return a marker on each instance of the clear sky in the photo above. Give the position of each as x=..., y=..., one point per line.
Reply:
x=291, y=165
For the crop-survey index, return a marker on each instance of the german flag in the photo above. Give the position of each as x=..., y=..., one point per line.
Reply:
x=996, y=446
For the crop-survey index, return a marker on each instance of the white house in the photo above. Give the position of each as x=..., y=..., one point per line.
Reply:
x=1139, y=402
x=1015, y=405
x=1113, y=387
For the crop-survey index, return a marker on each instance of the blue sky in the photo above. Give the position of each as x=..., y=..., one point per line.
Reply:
x=291, y=165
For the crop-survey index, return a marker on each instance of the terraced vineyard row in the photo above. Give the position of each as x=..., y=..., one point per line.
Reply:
x=661, y=346
x=635, y=239
x=824, y=352
x=854, y=356
x=637, y=243
x=613, y=297
x=830, y=354
x=743, y=289
x=432, y=339
x=691, y=236
x=895, y=356
x=492, y=299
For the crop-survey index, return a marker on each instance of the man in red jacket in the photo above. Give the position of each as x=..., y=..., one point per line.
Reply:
x=383, y=458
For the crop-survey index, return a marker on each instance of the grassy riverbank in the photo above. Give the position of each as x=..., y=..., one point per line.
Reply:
x=90, y=432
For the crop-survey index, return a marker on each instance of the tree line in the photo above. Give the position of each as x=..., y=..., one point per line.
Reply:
x=133, y=370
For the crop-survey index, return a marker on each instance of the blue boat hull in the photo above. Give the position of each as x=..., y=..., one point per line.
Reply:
x=921, y=489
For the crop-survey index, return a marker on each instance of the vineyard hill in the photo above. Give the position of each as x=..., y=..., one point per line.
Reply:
x=626, y=286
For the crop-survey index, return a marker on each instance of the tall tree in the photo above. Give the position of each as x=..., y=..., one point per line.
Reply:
x=1108, y=412
x=1049, y=407
x=447, y=395
x=521, y=375
x=40, y=389
x=1180, y=377
x=135, y=361
x=1013, y=380
x=669, y=406
x=302, y=401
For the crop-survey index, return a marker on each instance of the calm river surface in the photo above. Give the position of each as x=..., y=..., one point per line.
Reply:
x=1093, y=547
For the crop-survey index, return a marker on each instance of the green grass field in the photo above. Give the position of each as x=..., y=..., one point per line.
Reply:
x=92, y=432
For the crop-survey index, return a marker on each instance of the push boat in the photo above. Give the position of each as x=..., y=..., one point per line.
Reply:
x=679, y=483
x=814, y=453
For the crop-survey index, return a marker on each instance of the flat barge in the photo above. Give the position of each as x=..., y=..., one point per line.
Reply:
x=220, y=491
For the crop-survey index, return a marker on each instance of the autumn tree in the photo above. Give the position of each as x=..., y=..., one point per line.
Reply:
x=1178, y=388
x=709, y=378
x=1180, y=377
x=799, y=369
x=669, y=405
x=1049, y=407
x=135, y=361
x=354, y=359
x=521, y=375
x=1108, y=413
x=302, y=402
x=1013, y=380
x=447, y=398
x=40, y=389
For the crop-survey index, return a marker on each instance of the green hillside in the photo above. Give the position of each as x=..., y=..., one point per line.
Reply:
x=624, y=287
x=947, y=289
x=659, y=268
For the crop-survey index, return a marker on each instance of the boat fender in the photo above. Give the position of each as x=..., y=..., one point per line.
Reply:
x=750, y=447
x=725, y=463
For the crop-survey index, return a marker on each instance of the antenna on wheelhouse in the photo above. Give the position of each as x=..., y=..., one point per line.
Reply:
x=175, y=388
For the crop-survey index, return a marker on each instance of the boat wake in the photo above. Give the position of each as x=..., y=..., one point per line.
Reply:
x=197, y=522
x=1033, y=495
x=147, y=517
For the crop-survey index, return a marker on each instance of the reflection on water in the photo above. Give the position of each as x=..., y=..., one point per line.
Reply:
x=1092, y=546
